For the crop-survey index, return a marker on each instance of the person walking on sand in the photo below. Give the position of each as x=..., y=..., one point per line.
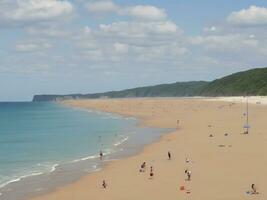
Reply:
x=101, y=155
x=187, y=160
x=254, y=189
x=169, y=155
x=178, y=121
x=143, y=167
x=188, y=173
x=104, y=184
x=151, y=174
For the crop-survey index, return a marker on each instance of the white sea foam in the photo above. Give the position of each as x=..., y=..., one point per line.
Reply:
x=123, y=140
x=109, y=160
x=105, y=152
x=16, y=179
x=85, y=158
x=54, y=167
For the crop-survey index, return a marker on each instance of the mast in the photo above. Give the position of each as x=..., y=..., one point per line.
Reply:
x=246, y=126
x=247, y=116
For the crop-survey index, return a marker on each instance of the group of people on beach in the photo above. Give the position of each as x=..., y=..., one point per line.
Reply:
x=143, y=169
x=151, y=173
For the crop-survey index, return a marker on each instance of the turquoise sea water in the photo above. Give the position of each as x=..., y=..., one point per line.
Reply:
x=37, y=137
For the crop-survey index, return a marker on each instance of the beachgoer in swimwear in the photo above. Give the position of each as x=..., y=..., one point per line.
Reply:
x=188, y=173
x=151, y=172
x=169, y=155
x=143, y=167
x=187, y=160
x=104, y=184
x=101, y=155
x=253, y=187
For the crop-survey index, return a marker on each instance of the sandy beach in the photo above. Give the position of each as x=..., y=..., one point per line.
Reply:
x=223, y=166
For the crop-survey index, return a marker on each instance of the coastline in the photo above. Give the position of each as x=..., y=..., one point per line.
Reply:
x=65, y=173
x=92, y=181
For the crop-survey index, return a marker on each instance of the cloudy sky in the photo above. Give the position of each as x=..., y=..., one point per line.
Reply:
x=84, y=46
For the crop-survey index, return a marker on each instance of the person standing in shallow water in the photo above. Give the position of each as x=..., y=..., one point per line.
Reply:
x=169, y=155
x=101, y=155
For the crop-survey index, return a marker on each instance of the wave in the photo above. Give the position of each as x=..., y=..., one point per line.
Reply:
x=123, y=140
x=16, y=179
x=105, y=152
x=84, y=158
x=53, y=167
x=45, y=168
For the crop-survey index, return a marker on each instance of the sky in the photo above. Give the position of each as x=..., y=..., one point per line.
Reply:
x=87, y=46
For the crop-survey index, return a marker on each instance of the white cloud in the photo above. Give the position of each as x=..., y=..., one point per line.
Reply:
x=252, y=16
x=143, y=12
x=30, y=46
x=210, y=29
x=149, y=35
x=140, y=29
x=146, y=12
x=225, y=43
x=102, y=7
x=34, y=10
x=132, y=41
x=143, y=36
x=121, y=48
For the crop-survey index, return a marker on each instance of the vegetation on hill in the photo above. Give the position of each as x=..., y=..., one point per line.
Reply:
x=251, y=82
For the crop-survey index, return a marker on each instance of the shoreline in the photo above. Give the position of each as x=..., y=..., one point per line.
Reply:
x=145, y=121
x=79, y=163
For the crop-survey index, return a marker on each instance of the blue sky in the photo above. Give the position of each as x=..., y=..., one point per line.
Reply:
x=85, y=46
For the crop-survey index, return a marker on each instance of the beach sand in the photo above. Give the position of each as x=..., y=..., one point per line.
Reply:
x=223, y=167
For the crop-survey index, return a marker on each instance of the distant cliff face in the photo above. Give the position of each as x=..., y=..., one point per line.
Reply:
x=251, y=82
x=43, y=98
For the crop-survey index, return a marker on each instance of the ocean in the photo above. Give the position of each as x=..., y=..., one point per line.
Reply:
x=47, y=141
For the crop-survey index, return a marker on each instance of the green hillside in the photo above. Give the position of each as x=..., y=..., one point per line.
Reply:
x=251, y=82
x=179, y=89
